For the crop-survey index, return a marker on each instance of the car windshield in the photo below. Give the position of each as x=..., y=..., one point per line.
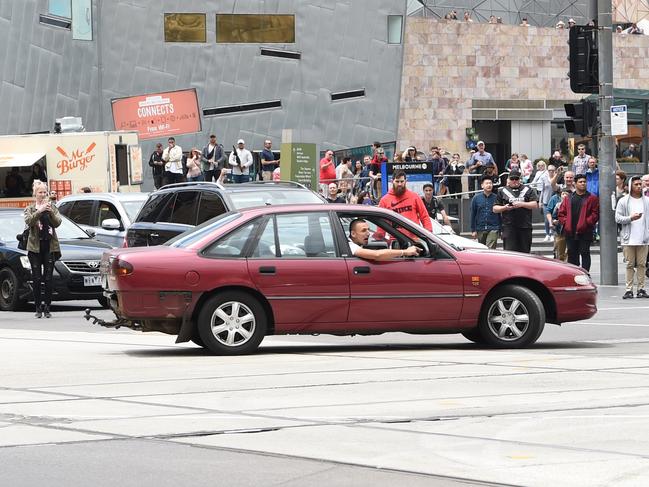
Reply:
x=13, y=224
x=278, y=196
x=132, y=207
x=195, y=234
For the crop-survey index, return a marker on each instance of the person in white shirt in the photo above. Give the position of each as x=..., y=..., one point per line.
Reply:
x=632, y=214
x=173, y=159
x=241, y=167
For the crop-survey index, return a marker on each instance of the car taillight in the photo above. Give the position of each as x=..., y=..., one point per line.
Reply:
x=121, y=268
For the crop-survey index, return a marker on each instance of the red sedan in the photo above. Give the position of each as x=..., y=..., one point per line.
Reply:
x=289, y=270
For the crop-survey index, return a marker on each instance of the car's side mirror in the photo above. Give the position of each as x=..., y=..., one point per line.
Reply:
x=111, y=224
x=91, y=233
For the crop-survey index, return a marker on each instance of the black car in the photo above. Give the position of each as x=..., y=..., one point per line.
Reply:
x=176, y=208
x=76, y=274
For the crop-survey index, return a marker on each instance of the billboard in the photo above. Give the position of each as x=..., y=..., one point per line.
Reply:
x=158, y=115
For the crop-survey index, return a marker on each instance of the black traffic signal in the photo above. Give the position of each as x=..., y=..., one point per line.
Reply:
x=584, y=69
x=583, y=117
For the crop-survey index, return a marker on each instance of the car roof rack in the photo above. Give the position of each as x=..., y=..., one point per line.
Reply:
x=189, y=183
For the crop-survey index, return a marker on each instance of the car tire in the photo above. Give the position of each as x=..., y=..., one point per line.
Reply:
x=512, y=317
x=103, y=302
x=9, y=285
x=232, y=323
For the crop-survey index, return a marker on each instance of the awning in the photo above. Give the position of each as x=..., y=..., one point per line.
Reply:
x=20, y=160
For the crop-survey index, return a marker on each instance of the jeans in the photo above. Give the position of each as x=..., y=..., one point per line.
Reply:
x=172, y=177
x=240, y=178
x=200, y=177
x=579, y=248
x=517, y=239
x=42, y=264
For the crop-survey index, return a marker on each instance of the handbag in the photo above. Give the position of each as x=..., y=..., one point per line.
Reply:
x=22, y=239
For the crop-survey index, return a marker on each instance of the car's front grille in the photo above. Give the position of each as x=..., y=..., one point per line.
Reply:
x=82, y=266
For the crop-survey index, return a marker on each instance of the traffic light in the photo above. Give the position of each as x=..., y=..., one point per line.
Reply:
x=583, y=117
x=584, y=69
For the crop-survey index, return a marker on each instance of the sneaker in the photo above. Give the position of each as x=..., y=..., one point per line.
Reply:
x=641, y=294
x=46, y=311
x=628, y=295
x=39, y=312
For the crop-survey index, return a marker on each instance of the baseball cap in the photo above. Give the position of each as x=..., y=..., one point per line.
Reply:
x=571, y=21
x=240, y=141
x=514, y=173
x=480, y=142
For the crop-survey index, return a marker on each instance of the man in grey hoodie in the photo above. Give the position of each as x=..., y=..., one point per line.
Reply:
x=632, y=213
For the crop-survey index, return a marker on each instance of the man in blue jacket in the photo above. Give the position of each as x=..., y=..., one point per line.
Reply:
x=592, y=177
x=485, y=224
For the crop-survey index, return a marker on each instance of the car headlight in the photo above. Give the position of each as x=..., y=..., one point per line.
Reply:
x=24, y=261
x=583, y=280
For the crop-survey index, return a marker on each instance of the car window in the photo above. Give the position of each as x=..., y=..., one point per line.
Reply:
x=233, y=244
x=211, y=205
x=81, y=212
x=195, y=234
x=185, y=208
x=299, y=235
x=156, y=204
x=13, y=224
x=65, y=207
x=106, y=211
x=131, y=207
x=276, y=196
x=386, y=230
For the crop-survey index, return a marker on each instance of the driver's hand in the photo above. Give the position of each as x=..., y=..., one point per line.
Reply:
x=412, y=251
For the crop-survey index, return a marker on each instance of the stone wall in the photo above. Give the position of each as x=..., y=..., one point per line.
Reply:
x=447, y=65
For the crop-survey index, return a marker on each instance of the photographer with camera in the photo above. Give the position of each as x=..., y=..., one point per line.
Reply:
x=42, y=218
x=515, y=203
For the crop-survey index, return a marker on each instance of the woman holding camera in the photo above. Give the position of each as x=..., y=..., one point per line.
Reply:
x=42, y=217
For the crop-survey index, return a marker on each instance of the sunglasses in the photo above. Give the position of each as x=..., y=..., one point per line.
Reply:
x=515, y=178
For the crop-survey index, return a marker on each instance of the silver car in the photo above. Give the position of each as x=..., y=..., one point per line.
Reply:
x=108, y=215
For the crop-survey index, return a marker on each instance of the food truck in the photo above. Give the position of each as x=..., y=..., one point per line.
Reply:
x=100, y=161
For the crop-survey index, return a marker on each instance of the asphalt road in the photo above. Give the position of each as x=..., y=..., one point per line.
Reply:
x=84, y=405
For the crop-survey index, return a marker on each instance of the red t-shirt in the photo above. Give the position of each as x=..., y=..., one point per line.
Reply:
x=327, y=174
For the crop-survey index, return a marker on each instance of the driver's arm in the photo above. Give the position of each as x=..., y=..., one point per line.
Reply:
x=386, y=254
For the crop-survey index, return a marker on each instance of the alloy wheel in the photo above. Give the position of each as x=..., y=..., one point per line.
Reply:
x=508, y=319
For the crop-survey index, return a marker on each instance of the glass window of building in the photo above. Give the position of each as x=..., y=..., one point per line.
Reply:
x=185, y=28
x=61, y=8
x=250, y=28
x=395, y=29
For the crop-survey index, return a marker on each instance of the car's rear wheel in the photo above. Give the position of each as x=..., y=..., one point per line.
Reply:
x=9, y=300
x=512, y=317
x=232, y=323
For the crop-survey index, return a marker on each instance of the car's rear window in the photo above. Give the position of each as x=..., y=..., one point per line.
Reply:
x=195, y=234
x=261, y=197
x=132, y=207
x=152, y=208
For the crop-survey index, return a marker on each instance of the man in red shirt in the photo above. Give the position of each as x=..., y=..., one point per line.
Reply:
x=327, y=171
x=401, y=200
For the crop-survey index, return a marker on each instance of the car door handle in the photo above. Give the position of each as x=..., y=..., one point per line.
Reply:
x=270, y=270
x=154, y=235
x=361, y=270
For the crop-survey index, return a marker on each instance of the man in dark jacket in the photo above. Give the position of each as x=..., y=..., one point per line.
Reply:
x=157, y=166
x=485, y=224
x=578, y=215
x=515, y=204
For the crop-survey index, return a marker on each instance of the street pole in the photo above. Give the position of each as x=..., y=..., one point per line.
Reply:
x=607, y=225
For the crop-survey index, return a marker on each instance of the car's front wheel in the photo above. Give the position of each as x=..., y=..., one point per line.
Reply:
x=232, y=323
x=512, y=317
x=9, y=300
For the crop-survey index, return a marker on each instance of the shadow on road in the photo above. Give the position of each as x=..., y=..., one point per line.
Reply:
x=329, y=348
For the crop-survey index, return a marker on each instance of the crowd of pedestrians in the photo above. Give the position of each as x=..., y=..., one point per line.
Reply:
x=211, y=163
x=566, y=194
